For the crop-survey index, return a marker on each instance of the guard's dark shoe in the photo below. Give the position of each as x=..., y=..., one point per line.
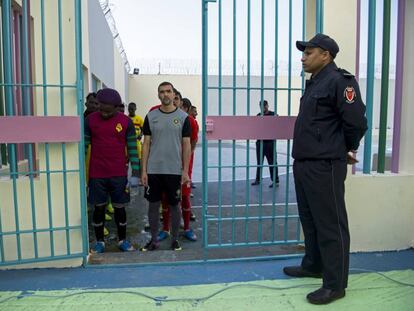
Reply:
x=255, y=183
x=299, y=272
x=323, y=296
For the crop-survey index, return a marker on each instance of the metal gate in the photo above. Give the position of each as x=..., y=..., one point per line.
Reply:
x=249, y=57
x=42, y=185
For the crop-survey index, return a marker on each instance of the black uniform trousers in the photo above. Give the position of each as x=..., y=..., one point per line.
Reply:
x=268, y=148
x=320, y=194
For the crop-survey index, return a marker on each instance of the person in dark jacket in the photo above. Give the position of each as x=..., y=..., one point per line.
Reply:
x=266, y=148
x=328, y=129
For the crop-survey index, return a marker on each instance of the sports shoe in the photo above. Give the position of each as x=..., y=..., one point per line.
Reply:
x=162, y=235
x=191, y=195
x=106, y=231
x=110, y=208
x=175, y=246
x=150, y=246
x=189, y=235
x=255, y=183
x=193, y=217
x=125, y=246
x=193, y=186
x=98, y=248
x=108, y=217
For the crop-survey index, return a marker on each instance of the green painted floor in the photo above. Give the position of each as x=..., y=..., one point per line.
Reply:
x=366, y=291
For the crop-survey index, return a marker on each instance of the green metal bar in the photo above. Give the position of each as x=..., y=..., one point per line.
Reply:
x=62, y=112
x=285, y=233
x=233, y=183
x=45, y=104
x=220, y=94
x=260, y=217
x=8, y=95
x=254, y=88
x=40, y=259
x=275, y=102
x=195, y=262
x=81, y=145
x=204, y=8
x=246, y=208
x=319, y=16
x=261, y=169
x=26, y=102
x=1, y=242
x=3, y=147
x=255, y=204
x=384, y=86
x=244, y=166
x=38, y=172
x=38, y=85
x=370, y=86
x=249, y=244
x=41, y=230
x=298, y=225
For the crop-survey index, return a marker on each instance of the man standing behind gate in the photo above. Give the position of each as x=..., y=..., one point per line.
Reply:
x=165, y=161
x=268, y=151
x=328, y=129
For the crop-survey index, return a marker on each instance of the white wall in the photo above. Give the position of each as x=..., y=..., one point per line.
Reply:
x=120, y=78
x=143, y=90
x=380, y=211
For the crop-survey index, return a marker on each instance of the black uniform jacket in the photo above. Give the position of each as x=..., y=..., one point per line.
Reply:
x=331, y=119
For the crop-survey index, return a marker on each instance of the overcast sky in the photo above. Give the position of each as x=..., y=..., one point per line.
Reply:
x=171, y=29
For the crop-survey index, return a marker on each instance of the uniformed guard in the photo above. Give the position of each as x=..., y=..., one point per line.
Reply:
x=328, y=129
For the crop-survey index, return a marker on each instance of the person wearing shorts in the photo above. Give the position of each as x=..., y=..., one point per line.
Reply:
x=165, y=161
x=110, y=133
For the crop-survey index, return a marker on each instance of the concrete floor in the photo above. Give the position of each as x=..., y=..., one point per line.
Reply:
x=237, y=213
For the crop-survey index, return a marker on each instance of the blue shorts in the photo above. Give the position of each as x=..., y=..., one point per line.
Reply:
x=102, y=188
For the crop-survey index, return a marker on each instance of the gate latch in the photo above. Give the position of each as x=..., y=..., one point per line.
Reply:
x=209, y=125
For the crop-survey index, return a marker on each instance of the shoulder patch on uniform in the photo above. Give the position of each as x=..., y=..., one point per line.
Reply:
x=345, y=73
x=350, y=94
